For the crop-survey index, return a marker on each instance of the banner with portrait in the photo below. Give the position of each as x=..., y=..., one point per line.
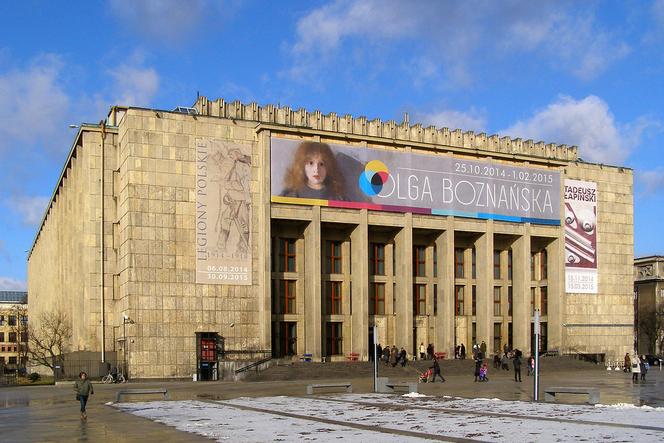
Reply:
x=223, y=212
x=580, y=237
x=344, y=176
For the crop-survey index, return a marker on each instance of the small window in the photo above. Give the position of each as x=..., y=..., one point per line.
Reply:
x=2, y=337
x=435, y=261
x=333, y=256
x=286, y=297
x=377, y=259
x=419, y=261
x=286, y=255
x=474, y=260
x=333, y=299
x=544, y=299
x=377, y=299
x=509, y=264
x=509, y=300
x=544, y=268
x=458, y=263
x=473, y=300
x=435, y=299
x=12, y=320
x=420, y=299
x=496, y=265
x=533, y=260
x=496, y=301
x=458, y=300
x=532, y=301
x=12, y=337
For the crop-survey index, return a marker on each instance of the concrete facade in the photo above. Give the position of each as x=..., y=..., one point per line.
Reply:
x=146, y=264
x=649, y=290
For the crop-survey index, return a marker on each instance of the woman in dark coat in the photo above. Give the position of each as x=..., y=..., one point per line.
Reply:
x=478, y=365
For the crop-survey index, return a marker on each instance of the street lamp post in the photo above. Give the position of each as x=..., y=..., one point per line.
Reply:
x=126, y=321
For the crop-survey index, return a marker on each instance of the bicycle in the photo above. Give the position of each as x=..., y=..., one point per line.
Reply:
x=108, y=378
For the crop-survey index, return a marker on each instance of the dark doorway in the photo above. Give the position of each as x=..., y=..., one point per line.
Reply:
x=207, y=356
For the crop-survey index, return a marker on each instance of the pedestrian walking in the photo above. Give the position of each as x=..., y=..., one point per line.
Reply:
x=393, y=356
x=462, y=352
x=628, y=363
x=505, y=362
x=644, y=366
x=478, y=365
x=636, y=368
x=483, y=348
x=83, y=389
x=404, y=357
x=422, y=351
x=517, y=366
x=379, y=351
x=436, y=371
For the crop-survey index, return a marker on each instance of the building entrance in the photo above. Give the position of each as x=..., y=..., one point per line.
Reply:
x=207, y=363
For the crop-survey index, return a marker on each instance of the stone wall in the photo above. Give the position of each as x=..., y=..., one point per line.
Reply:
x=613, y=305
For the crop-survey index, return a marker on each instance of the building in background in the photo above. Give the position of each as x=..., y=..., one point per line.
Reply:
x=185, y=242
x=649, y=290
x=13, y=329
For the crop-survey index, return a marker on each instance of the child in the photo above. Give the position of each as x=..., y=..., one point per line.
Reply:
x=484, y=370
x=314, y=173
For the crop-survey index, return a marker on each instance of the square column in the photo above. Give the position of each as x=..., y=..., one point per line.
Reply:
x=444, y=321
x=312, y=286
x=404, y=279
x=360, y=286
x=484, y=303
x=555, y=253
x=521, y=291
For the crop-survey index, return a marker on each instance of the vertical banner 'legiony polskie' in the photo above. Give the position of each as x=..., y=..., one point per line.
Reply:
x=580, y=237
x=223, y=212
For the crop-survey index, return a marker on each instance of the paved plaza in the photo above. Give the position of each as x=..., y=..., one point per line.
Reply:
x=457, y=410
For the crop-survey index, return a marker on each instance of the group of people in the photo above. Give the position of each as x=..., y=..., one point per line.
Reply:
x=391, y=356
x=502, y=362
x=426, y=353
x=460, y=352
x=636, y=365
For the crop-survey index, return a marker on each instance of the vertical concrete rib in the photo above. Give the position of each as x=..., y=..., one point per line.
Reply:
x=360, y=282
x=521, y=290
x=484, y=302
x=312, y=285
x=404, y=275
x=445, y=318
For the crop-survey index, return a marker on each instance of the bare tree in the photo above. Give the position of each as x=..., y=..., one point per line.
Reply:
x=651, y=324
x=49, y=338
x=20, y=330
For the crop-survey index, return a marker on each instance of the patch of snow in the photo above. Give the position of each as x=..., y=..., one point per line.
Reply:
x=414, y=395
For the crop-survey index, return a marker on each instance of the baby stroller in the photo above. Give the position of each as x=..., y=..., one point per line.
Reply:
x=426, y=375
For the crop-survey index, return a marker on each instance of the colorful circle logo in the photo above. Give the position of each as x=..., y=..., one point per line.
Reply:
x=373, y=178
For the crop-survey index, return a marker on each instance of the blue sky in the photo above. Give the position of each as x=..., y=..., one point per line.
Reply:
x=581, y=73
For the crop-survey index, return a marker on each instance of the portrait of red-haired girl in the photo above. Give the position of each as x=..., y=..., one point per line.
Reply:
x=314, y=173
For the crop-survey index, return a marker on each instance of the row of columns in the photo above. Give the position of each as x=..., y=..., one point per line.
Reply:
x=444, y=322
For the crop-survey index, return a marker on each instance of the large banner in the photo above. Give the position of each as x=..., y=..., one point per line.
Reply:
x=310, y=173
x=223, y=212
x=580, y=237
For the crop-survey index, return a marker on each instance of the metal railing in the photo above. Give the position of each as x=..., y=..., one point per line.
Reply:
x=255, y=364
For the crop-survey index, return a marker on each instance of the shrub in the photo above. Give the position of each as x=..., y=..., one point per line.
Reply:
x=34, y=377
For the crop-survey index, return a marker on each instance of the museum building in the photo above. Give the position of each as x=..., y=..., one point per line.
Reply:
x=189, y=241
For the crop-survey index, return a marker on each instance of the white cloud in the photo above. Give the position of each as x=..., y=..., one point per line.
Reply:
x=11, y=284
x=587, y=123
x=134, y=85
x=33, y=103
x=453, y=34
x=30, y=208
x=652, y=180
x=170, y=20
x=468, y=121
